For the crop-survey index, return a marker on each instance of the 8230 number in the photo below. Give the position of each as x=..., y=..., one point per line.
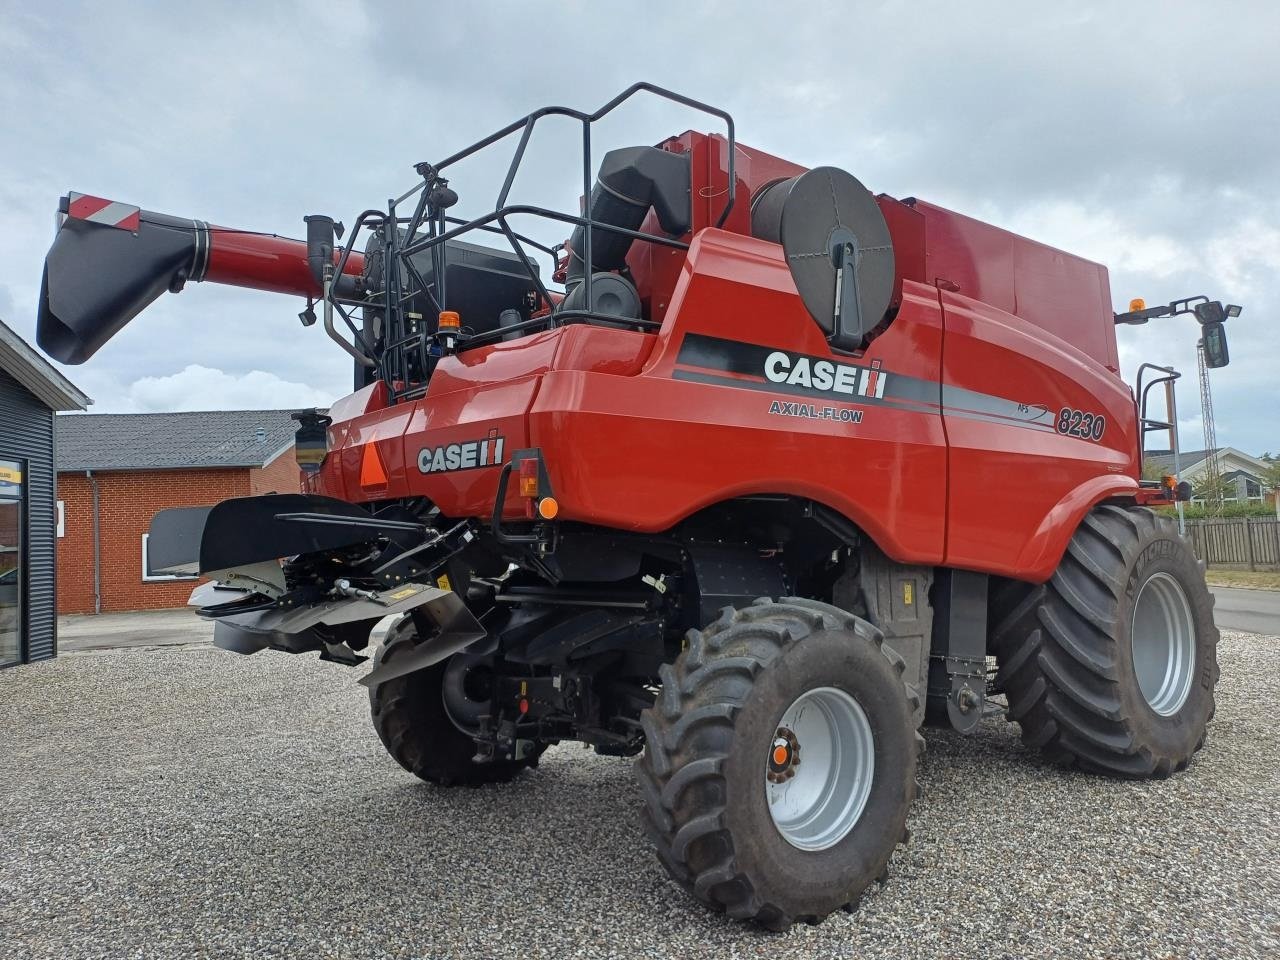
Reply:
x=1079, y=423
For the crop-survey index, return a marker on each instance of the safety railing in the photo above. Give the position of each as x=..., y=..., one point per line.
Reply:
x=429, y=228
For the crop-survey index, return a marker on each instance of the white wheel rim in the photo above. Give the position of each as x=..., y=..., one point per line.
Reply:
x=819, y=789
x=1163, y=639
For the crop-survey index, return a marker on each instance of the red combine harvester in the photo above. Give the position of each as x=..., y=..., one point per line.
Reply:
x=749, y=483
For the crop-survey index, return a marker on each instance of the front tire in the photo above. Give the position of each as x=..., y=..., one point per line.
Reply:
x=412, y=722
x=721, y=757
x=1112, y=664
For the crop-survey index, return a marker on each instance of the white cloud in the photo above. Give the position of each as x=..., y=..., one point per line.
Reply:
x=1246, y=256
x=1038, y=118
x=204, y=388
x=1103, y=236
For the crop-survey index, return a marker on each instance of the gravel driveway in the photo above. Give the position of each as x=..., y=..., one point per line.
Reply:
x=184, y=802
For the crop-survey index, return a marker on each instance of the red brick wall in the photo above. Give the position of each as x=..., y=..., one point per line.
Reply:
x=278, y=476
x=127, y=500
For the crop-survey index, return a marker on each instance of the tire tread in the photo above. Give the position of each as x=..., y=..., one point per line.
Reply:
x=1056, y=654
x=706, y=688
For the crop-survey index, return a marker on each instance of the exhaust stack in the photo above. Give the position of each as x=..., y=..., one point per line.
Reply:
x=110, y=261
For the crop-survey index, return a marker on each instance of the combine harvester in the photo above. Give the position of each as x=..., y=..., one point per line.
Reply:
x=750, y=482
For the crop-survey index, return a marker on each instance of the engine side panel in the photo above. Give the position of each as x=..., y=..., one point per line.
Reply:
x=1032, y=422
x=703, y=422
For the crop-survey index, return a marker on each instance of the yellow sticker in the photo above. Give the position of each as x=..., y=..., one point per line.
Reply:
x=907, y=592
x=10, y=475
x=443, y=583
x=403, y=593
x=524, y=687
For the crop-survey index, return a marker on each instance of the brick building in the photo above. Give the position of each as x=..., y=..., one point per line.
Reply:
x=116, y=471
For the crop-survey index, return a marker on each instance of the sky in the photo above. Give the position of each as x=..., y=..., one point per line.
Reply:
x=1142, y=135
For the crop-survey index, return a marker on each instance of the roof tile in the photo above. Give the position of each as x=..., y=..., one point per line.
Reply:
x=172, y=441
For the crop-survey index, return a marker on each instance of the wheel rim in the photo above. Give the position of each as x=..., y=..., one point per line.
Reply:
x=1164, y=642
x=819, y=769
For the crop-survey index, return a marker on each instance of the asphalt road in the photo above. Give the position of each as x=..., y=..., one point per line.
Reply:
x=178, y=801
x=1254, y=611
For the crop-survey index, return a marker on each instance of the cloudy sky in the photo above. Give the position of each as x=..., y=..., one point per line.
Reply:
x=1146, y=136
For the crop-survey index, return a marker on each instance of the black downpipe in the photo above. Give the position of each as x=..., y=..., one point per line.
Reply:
x=631, y=180
x=97, y=543
x=320, y=241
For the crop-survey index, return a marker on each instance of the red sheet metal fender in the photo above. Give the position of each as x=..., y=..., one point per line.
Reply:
x=1044, y=551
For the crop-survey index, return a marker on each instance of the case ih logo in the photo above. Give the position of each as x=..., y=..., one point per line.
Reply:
x=869, y=381
x=462, y=456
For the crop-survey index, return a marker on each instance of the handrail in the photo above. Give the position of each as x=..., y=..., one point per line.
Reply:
x=429, y=213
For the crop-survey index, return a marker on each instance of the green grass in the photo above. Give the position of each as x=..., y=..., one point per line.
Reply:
x=1195, y=512
x=1257, y=579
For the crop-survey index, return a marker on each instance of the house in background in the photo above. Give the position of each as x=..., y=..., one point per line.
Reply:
x=116, y=471
x=1242, y=475
x=30, y=391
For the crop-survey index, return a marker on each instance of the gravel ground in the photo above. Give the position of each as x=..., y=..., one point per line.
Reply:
x=183, y=802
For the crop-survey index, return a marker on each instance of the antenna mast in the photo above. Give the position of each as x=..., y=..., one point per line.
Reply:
x=1213, y=471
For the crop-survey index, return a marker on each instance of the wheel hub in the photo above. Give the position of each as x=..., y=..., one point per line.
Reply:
x=815, y=805
x=1163, y=639
x=784, y=757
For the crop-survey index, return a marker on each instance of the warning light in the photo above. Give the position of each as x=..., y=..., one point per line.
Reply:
x=450, y=320
x=524, y=705
x=779, y=756
x=548, y=508
x=529, y=478
x=1136, y=304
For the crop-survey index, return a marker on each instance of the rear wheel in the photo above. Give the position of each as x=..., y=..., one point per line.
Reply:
x=413, y=722
x=780, y=762
x=1112, y=663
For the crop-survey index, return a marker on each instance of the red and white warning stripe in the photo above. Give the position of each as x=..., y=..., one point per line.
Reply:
x=106, y=212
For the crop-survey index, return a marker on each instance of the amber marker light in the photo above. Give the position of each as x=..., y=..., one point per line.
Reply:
x=529, y=478
x=548, y=508
x=450, y=320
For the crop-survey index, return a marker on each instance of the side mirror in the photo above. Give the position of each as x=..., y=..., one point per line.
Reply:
x=1210, y=312
x=1215, y=343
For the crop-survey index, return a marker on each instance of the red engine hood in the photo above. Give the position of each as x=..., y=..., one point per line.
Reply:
x=447, y=446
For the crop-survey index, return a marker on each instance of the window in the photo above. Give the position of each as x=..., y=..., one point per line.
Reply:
x=149, y=576
x=11, y=562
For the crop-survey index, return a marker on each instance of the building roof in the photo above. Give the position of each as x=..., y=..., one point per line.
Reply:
x=1187, y=458
x=34, y=372
x=1190, y=459
x=172, y=441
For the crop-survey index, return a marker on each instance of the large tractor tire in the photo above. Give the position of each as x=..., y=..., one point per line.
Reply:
x=410, y=718
x=780, y=762
x=1111, y=665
